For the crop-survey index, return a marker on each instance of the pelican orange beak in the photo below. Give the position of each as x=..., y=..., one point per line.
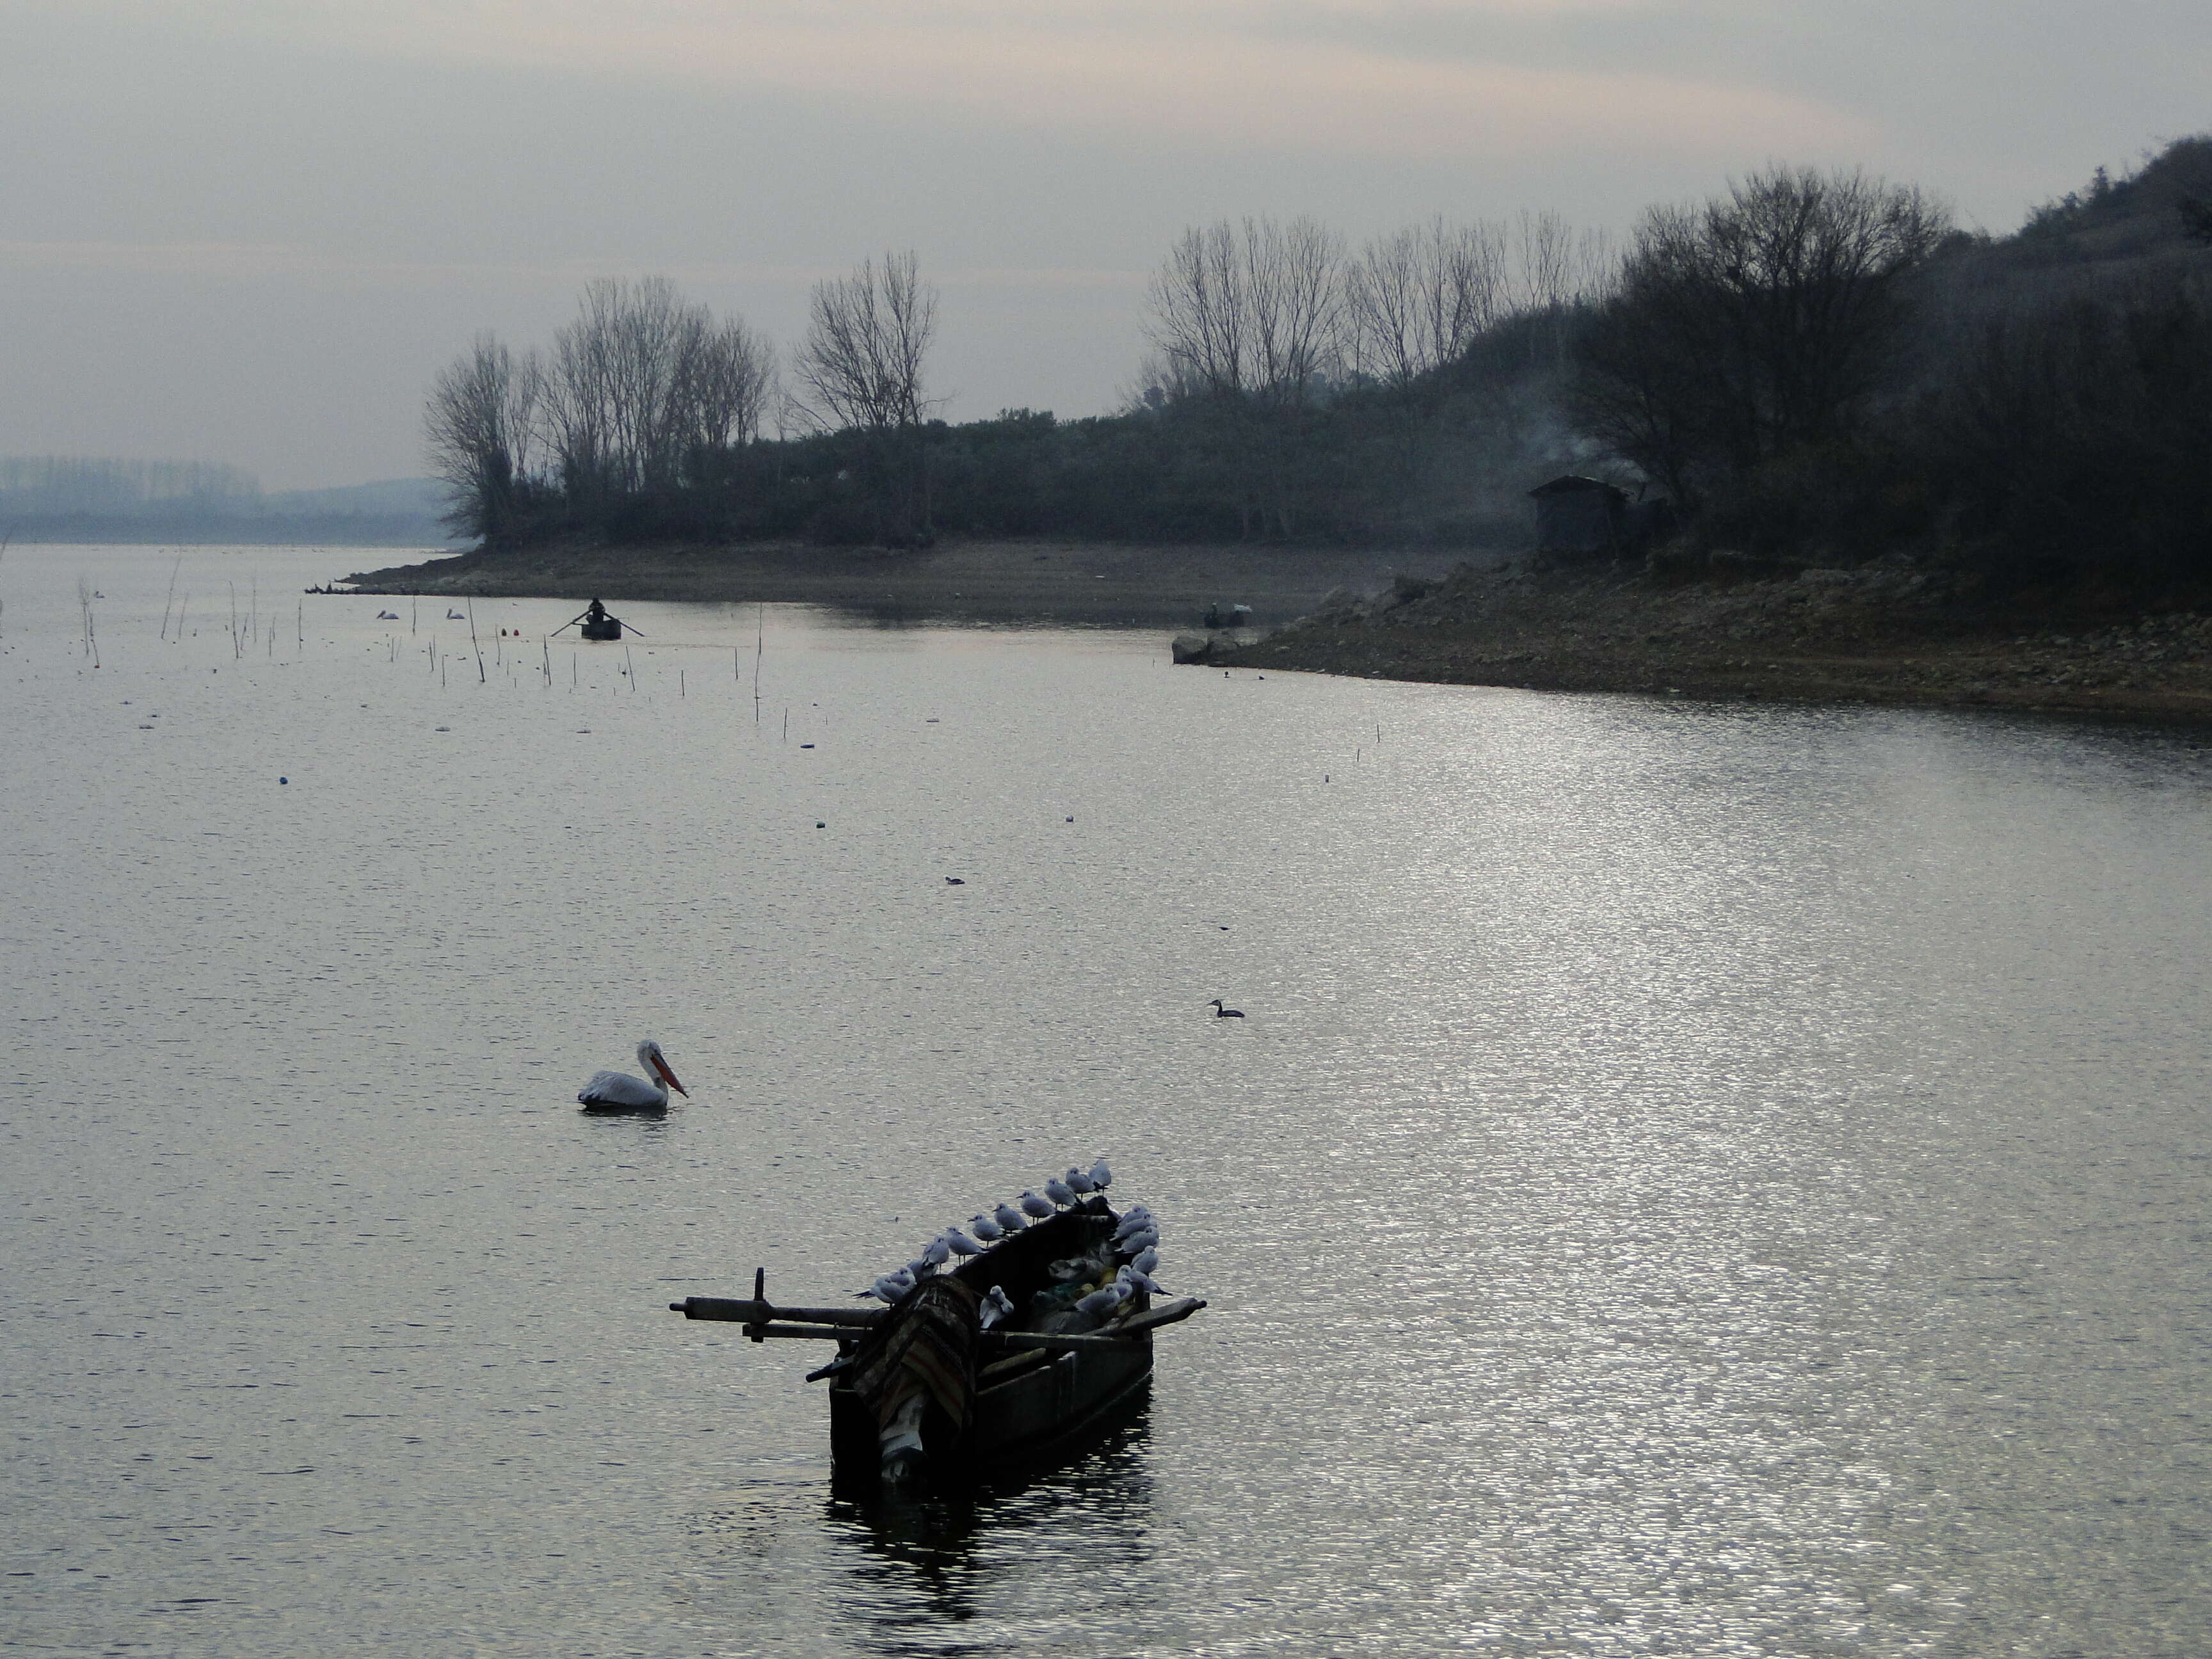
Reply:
x=669, y=1077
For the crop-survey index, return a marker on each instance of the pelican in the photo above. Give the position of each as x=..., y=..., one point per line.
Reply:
x=986, y=1229
x=1042, y=1208
x=1059, y=1192
x=998, y=1308
x=1009, y=1218
x=1220, y=1012
x=620, y=1091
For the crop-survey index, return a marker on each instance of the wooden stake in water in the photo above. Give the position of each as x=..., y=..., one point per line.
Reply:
x=548, y=644
x=172, y=599
x=473, y=646
x=680, y=691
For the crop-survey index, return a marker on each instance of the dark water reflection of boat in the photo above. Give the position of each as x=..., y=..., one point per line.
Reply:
x=914, y=1567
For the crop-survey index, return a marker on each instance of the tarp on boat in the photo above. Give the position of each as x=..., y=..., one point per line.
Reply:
x=925, y=1345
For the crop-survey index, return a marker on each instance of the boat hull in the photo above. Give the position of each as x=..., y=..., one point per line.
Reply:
x=1041, y=1410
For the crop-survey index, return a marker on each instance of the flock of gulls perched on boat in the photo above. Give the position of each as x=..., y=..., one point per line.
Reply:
x=1136, y=1236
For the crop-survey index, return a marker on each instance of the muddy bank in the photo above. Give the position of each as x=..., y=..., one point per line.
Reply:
x=1084, y=583
x=1878, y=634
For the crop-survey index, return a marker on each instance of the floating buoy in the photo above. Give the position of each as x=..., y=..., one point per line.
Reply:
x=284, y=780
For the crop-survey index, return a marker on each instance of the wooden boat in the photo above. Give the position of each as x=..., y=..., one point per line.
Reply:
x=1034, y=1398
x=610, y=629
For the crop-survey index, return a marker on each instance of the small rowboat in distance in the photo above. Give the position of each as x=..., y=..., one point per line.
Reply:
x=992, y=1403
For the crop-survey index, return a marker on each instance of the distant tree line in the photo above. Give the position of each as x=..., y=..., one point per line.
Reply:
x=1296, y=389
x=1815, y=366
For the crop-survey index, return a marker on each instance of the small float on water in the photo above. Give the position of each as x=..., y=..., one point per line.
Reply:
x=1022, y=1355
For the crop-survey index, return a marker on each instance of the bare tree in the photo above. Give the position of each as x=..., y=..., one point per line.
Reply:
x=1416, y=299
x=868, y=335
x=479, y=424
x=643, y=382
x=1760, y=323
x=1253, y=310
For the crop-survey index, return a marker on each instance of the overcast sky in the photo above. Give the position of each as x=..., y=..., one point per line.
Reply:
x=251, y=231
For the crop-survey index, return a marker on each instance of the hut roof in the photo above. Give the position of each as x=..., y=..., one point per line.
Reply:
x=1573, y=484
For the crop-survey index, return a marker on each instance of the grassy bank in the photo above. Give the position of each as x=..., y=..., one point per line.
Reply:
x=1875, y=634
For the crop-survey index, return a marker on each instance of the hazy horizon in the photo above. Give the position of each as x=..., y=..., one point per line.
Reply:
x=239, y=235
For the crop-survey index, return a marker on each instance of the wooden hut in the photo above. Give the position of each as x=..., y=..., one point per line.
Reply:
x=1579, y=517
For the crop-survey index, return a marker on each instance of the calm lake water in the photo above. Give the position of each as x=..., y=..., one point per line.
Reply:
x=1693, y=1180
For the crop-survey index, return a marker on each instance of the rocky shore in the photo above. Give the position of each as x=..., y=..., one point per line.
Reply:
x=1886, y=634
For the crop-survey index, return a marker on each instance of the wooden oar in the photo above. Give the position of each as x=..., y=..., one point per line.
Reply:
x=843, y=1324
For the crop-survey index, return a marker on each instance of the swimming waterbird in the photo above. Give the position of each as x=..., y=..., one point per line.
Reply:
x=620, y=1091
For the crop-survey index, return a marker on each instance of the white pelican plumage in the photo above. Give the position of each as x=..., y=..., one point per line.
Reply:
x=619, y=1091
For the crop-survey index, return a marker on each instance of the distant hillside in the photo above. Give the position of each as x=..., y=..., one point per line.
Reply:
x=57, y=498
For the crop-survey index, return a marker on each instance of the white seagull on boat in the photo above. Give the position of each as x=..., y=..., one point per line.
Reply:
x=960, y=1243
x=1042, y=1208
x=997, y=1307
x=619, y=1089
x=1009, y=1218
x=1077, y=1180
x=1101, y=1176
x=891, y=1286
x=986, y=1229
x=1059, y=1192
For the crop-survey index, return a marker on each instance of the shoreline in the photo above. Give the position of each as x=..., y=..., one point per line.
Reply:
x=1882, y=634
x=1877, y=635
x=1077, y=584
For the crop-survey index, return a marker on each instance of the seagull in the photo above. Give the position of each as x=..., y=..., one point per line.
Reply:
x=890, y=1288
x=1147, y=1259
x=1133, y=1219
x=921, y=1267
x=936, y=1251
x=1220, y=1012
x=986, y=1229
x=1139, y=1243
x=1009, y=1218
x=1042, y=1208
x=1099, y=1303
x=1059, y=1192
x=1101, y=1176
x=1078, y=1181
x=997, y=1307
x=1137, y=1276
x=960, y=1243
x=619, y=1091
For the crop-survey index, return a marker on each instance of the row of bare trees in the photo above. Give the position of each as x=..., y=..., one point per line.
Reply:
x=1256, y=326
x=645, y=394
x=1282, y=312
